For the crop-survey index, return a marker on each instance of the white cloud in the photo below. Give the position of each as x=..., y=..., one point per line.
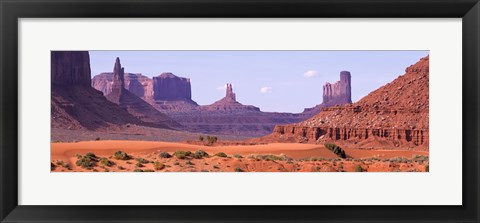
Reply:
x=224, y=87
x=264, y=90
x=310, y=73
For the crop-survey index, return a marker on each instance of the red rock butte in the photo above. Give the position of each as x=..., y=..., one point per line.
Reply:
x=394, y=116
x=338, y=93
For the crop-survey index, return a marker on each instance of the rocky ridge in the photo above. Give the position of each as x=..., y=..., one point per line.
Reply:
x=394, y=116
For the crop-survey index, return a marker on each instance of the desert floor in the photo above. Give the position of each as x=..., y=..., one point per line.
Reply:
x=275, y=157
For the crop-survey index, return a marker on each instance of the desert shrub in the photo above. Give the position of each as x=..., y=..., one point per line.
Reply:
x=137, y=170
x=269, y=157
x=238, y=169
x=399, y=159
x=158, y=165
x=106, y=162
x=359, y=168
x=211, y=140
x=237, y=156
x=141, y=160
x=180, y=154
x=336, y=150
x=62, y=163
x=87, y=162
x=91, y=155
x=120, y=155
x=420, y=158
x=200, y=154
x=164, y=155
x=200, y=138
x=221, y=154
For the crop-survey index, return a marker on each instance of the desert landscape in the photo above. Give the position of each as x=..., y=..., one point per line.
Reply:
x=128, y=122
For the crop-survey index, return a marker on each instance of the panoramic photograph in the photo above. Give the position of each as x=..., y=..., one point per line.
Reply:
x=239, y=111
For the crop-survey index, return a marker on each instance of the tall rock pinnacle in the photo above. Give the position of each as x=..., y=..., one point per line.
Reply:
x=229, y=93
x=339, y=92
x=118, y=75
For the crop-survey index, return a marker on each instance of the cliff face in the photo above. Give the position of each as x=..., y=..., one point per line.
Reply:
x=394, y=116
x=76, y=105
x=138, y=84
x=70, y=68
x=168, y=87
x=133, y=104
x=338, y=93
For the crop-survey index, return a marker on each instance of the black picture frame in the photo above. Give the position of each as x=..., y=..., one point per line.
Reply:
x=12, y=10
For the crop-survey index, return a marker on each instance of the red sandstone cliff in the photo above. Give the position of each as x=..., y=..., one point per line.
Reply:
x=394, y=116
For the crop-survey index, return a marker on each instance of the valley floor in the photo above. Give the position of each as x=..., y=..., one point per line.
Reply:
x=150, y=156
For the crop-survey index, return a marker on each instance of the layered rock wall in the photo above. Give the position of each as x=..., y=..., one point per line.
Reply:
x=168, y=87
x=70, y=68
x=395, y=115
x=339, y=92
x=394, y=137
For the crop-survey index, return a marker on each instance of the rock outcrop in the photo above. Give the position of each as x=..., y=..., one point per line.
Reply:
x=394, y=116
x=229, y=103
x=69, y=68
x=135, y=105
x=136, y=83
x=74, y=103
x=229, y=117
x=168, y=87
x=338, y=93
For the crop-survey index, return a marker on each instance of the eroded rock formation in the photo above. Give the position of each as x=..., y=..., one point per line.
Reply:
x=135, y=105
x=136, y=83
x=394, y=116
x=339, y=92
x=168, y=87
x=74, y=103
x=229, y=103
x=70, y=68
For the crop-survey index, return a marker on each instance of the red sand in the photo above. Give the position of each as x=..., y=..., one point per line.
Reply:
x=149, y=150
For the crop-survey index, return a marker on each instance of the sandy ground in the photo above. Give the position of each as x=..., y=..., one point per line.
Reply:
x=295, y=157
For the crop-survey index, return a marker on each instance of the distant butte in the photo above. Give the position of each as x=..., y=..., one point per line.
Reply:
x=229, y=103
x=134, y=105
x=338, y=93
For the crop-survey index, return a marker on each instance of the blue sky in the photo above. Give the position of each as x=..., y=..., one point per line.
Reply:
x=281, y=81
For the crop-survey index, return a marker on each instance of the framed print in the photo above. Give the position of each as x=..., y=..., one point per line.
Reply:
x=166, y=111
